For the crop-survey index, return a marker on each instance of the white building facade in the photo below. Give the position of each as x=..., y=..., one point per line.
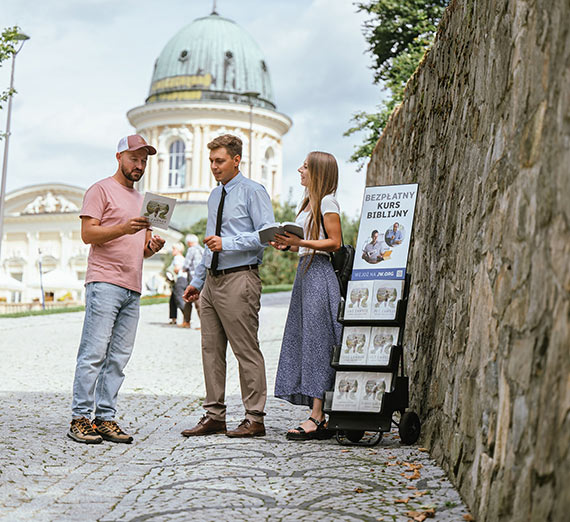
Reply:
x=210, y=79
x=42, y=247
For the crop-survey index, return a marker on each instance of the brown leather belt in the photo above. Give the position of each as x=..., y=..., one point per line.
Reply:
x=226, y=271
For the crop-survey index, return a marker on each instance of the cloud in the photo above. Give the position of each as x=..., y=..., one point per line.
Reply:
x=89, y=62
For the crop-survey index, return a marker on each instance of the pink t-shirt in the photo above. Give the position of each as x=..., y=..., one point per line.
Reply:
x=120, y=260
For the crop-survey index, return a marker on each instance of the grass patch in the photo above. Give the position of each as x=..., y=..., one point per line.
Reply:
x=144, y=301
x=269, y=289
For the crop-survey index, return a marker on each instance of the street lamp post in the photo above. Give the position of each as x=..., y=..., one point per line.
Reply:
x=22, y=39
x=41, y=279
x=251, y=95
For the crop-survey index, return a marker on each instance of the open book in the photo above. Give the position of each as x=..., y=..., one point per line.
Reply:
x=267, y=233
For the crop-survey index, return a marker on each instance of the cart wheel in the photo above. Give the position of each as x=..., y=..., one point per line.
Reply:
x=354, y=435
x=410, y=427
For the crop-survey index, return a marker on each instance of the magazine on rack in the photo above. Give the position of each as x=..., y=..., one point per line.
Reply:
x=358, y=300
x=385, y=296
x=360, y=391
x=365, y=345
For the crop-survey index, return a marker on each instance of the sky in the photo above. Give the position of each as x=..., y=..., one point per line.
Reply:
x=90, y=61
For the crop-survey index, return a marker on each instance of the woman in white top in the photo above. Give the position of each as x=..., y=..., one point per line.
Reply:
x=304, y=372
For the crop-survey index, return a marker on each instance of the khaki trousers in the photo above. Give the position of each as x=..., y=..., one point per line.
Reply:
x=229, y=311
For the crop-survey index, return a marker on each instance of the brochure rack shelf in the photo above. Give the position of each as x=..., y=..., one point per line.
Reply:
x=350, y=425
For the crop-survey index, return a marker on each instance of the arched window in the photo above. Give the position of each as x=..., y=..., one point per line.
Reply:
x=267, y=164
x=177, y=165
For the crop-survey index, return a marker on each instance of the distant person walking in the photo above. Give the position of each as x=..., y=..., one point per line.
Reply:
x=304, y=372
x=179, y=282
x=120, y=238
x=193, y=258
x=227, y=281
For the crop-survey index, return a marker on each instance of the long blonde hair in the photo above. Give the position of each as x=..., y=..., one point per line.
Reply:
x=323, y=180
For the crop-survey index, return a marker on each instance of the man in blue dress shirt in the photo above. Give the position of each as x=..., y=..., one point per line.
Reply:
x=228, y=285
x=393, y=236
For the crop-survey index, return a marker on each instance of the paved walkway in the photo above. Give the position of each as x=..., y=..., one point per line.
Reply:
x=163, y=476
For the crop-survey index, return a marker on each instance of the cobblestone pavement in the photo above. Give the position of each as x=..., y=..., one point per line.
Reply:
x=163, y=476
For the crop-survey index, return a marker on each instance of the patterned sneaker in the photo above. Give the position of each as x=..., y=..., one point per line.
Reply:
x=82, y=431
x=110, y=430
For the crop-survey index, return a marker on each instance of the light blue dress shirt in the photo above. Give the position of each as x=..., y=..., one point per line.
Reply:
x=247, y=208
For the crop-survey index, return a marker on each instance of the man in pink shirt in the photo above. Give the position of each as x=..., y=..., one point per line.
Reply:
x=120, y=238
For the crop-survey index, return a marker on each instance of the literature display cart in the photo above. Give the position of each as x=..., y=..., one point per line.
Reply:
x=371, y=388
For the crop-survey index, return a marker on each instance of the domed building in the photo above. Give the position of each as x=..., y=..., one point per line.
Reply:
x=210, y=79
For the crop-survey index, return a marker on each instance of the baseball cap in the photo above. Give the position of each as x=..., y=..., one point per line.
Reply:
x=134, y=142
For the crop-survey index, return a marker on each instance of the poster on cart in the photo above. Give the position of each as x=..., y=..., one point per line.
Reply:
x=385, y=231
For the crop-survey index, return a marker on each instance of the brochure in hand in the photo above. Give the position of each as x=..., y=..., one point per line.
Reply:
x=267, y=233
x=158, y=209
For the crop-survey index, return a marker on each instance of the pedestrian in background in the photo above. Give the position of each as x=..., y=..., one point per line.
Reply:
x=179, y=282
x=120, y=238
x=194, y=255
x=228, y=284
x=304, y=372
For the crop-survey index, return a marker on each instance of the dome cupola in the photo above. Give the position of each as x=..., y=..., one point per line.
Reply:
x=212, y=59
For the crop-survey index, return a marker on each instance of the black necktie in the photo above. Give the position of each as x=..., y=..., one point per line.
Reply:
x=216, y=255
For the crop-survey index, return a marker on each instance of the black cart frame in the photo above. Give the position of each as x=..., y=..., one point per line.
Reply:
x=351, y=425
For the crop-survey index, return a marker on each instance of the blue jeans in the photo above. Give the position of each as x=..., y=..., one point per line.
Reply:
x=109, y=329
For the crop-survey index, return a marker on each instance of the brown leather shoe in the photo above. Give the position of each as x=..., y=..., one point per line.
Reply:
x=206, y=426
x=248, y=428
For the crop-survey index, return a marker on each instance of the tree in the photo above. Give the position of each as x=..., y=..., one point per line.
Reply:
x=7, y=49
x=278, y=268
x=398, y=34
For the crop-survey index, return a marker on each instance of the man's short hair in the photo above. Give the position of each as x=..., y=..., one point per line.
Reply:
x=374, y=232
x=191, y=238
x=231, y=143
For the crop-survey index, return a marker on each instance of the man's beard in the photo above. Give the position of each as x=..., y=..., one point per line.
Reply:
x=129, y=175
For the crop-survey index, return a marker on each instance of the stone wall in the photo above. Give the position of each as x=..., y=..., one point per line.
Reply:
x=485, y=130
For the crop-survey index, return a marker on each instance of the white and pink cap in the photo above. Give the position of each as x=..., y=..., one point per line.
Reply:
x=134, y=142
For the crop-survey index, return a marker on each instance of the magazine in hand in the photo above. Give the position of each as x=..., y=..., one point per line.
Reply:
x=267, y=233
x=158, y=209
x=366, y=345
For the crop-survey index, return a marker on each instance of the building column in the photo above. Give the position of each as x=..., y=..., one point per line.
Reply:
x=196, y=156
x=205, y=177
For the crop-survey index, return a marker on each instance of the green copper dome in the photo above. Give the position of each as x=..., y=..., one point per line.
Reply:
x=212, y=59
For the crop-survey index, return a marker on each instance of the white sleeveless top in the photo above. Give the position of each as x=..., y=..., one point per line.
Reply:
x=329, y=204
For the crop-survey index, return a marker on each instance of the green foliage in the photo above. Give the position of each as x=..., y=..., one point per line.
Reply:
x=349, y=229
x=279, y=268
x=398, y=34
x=7, y=49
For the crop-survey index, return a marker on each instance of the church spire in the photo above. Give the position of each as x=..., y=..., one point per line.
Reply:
x=214, y=12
